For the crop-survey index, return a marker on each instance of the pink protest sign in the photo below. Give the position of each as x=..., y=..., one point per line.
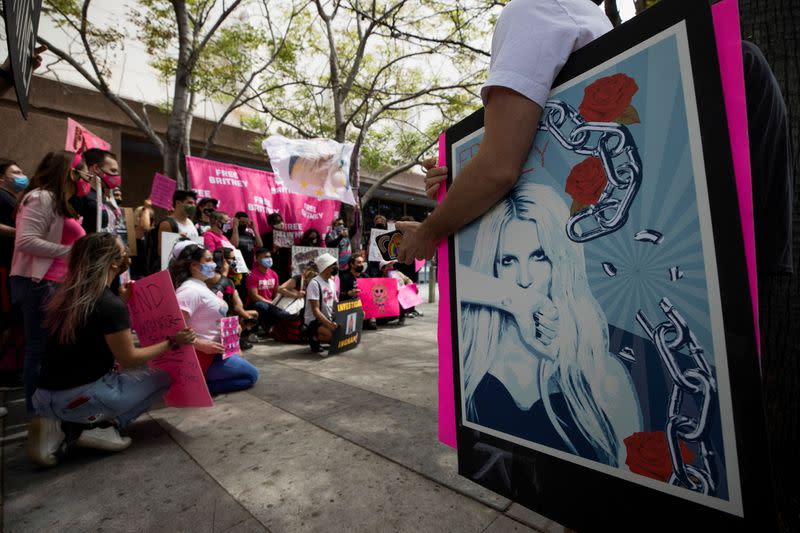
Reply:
x=408, y=296
x=229, y=335
x=162, y=190
x=259, y=193
x=79, y=139
x=154, y=316
x=418, y=264
x=731, y=66
x=379, y=297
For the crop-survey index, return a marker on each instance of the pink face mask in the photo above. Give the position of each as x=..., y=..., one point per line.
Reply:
x=112, y=181
x=83, y=187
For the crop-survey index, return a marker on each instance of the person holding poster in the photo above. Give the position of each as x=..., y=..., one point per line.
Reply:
x=514, y=95
x=102, y=165
x=184, y=207
x=81, y=398
x=320, y=299
x=281, y=256
x=202, y=310
x=348, y=284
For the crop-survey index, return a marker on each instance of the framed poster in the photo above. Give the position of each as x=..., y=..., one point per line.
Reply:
x=603, y=345
x=349, y=315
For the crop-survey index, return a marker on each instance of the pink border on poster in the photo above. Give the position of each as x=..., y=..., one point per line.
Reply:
x=229, y=335
x=731, y=66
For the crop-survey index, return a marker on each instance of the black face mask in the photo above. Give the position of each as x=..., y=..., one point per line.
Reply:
x=335, y=271
x=381, y=226
x=360, y=269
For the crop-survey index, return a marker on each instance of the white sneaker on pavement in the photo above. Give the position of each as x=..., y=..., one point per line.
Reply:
x=44, y=439
x=107, y=439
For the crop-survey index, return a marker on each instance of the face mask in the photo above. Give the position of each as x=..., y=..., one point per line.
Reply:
x=335, y=271
x=112, y=181
x=360, y=269
x=266, y=262
x=232, y=266
x=190, y=210
x=20, y=182
x=380, y=226
x=208, y=270
x=83, y=187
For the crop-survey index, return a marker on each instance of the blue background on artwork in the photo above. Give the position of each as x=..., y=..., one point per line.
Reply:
x=666, y=202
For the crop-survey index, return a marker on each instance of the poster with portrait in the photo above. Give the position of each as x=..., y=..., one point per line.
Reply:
x=349, y=316
x=603, y=344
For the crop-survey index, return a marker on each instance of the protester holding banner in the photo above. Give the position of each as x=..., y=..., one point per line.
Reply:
x=47, y=226
x=348, y=285
x=102, y=166
x=262, y=287
x=249, y=239
x=214, y=237
x=90, y=332
x=320, y=299
x=202, y=311
x=223, y=286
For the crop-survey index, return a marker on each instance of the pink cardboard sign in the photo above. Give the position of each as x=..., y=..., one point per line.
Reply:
x=418, y=264
x=379, y=297
x=79, y=139
x=229, y=336
x=408, y=296
x=155, y=314
x=162, y=190
x=259, y=193
x=731, y=66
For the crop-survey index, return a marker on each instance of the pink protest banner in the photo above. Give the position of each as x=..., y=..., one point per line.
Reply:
x=229, y=335
x=162, y=190
x=259, y=193
x=418, y=264
x=447, y=407
x=379, y=297
x=408, y=296
x=79, y=139
x=731, y=66
x=155, y=315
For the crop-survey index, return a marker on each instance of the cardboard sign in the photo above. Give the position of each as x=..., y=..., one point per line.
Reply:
x=408, y=296
x=388, y=244
x=22, y=25
x=168, y=240
x=241, y=266
x=162, y=190
x=282, y=239
x=291, y=305
x=374, y=251
x=229, y=335
x=79, y=139
x=349, y=315
x=379, y=297
x=304, y=256
x=155, y=314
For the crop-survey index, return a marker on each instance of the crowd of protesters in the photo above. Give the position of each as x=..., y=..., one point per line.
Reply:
x=66, y=273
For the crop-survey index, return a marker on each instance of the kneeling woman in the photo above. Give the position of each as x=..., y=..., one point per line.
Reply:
x=90, y=331
x=202, y=310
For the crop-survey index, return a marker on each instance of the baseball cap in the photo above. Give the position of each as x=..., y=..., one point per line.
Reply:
x=204, y=201
x=384, y=263
x=324, y=261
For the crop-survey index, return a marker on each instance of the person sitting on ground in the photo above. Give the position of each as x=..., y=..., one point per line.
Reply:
x=202, y=310
x=388, y=271
x=222, y=285
x=320, y=299
x=214, y=237
x=292, y=296
x=348, y=284
x=82, y=398
x=262, y=288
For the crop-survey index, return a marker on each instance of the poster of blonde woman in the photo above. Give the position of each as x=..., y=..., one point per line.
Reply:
x=603, y=340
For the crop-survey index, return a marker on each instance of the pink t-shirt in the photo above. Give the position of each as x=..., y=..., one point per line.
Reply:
x=212, y=241
x=72, y=232
x=265, y=282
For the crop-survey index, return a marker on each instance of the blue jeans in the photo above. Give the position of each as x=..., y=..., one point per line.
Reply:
x=269, y=314
x=231, y=374
x=118, y=397
x=31, y=296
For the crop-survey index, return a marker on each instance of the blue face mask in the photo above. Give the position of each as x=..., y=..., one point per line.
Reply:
x=266, y=262
x=20, y=182
x=207, y=270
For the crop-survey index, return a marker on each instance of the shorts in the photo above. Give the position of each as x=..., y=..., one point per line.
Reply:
x=312, y=327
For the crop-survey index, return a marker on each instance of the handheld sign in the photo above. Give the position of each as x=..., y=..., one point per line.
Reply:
x=349, y=315
x=162, y=190
x=388, y=243
x=155, y=314
x=379, y=297
x=304, y=256
x=283, y=239
x=408, y=296
x=22, y=25
x=229, y=335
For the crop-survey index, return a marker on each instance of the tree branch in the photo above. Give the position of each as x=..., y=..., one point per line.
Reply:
x=394, y=172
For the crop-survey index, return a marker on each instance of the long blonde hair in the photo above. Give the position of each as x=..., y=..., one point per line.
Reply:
x=579, y=367
x=87, y=277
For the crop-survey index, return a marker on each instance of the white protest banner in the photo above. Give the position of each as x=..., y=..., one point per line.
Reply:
x=303, y=256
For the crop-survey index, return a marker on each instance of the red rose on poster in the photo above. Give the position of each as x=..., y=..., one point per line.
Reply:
x=648, y=454
x=586, y=181
x=609, y=99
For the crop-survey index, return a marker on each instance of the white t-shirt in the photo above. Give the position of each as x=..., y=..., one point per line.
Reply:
x=533, y=39
x=187, y=228
x=205, y=309
x=326, y=300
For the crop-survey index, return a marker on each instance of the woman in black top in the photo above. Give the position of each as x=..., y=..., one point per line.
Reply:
x=90, y=334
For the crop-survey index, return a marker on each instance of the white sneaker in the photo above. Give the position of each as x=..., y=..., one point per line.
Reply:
x=44, y=439
x=107, y=439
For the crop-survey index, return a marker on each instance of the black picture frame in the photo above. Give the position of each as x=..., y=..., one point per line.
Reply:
x=588, y=500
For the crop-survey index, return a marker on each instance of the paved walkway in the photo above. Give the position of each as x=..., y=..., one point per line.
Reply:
x=345, y=443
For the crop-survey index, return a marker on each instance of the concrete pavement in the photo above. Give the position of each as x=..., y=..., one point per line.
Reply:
x=344, y=443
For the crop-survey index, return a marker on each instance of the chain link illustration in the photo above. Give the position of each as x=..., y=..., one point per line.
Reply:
x=695, y=380
x=617, y=150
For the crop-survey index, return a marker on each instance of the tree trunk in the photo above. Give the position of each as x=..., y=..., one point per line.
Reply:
x=774, y=26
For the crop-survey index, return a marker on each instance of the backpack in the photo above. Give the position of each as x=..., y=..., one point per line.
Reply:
x=151, y=252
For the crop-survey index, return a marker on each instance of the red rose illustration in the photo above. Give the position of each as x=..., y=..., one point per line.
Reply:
x=648, y=454
x=586, y=181
x=606, y=99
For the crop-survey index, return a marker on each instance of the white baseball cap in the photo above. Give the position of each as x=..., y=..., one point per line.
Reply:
x=324, y=261
x=384, y=263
